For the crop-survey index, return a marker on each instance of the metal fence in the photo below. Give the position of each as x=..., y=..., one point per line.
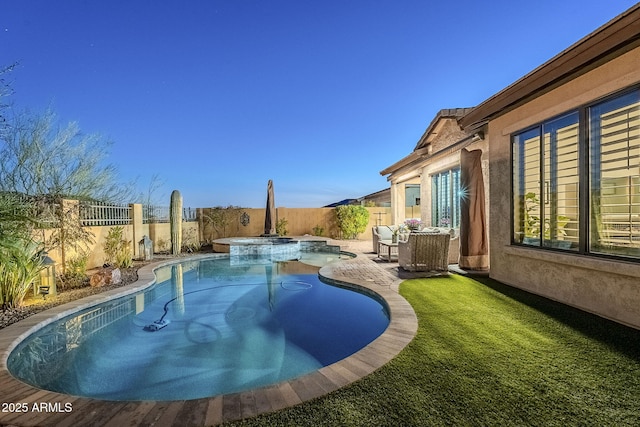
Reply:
x=42, y=208
x=93, y=213
x=158, y=214
x=98, y=213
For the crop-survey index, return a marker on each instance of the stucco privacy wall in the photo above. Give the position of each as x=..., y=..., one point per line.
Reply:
x=300, y=221
x=609, y=288
x=95, y=249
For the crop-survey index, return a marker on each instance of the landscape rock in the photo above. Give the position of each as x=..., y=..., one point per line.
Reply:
x=106, y=276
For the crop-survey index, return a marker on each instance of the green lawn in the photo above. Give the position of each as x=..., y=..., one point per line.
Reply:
x=487, y=354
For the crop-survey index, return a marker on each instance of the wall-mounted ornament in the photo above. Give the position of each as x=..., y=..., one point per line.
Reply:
x=244, y=219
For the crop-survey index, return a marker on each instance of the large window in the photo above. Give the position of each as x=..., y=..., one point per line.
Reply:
x=546, y=211
x=445, y=199
x=576, y=184
x=614, y=128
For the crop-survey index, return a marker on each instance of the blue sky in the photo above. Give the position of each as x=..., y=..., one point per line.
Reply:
x=216, y=97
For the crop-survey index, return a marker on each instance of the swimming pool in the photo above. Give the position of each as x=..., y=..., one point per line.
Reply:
x=230, y=327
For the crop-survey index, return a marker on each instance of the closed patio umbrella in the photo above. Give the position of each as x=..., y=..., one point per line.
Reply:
x=270, y=213
x=474, y=247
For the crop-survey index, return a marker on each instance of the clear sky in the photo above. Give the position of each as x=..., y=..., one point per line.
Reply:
x=218, y=96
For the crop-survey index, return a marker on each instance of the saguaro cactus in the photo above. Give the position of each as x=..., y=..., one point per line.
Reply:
x=175, y=221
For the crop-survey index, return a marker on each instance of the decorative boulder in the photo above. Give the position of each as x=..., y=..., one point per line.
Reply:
x=106, y=276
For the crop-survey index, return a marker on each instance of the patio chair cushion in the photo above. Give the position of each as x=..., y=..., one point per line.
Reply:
x=385, y=231
x=438, y=230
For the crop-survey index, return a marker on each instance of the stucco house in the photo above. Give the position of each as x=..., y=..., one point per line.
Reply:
x=426, y=184
x=564, y=166
x=433, y=167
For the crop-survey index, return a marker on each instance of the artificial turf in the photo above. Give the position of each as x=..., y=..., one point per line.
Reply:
x=488, y=354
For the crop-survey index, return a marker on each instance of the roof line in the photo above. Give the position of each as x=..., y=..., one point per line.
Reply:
x=613, y=39
x=456, y=113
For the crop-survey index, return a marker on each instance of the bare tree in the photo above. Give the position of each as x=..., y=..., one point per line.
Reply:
x=50, y=162
x=151, y=196
x=41, y=158
x=5, y=91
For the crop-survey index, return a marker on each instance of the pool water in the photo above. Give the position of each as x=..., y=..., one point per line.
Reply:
x=229, y=328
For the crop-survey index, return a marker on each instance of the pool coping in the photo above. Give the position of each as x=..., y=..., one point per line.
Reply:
x=45, y=408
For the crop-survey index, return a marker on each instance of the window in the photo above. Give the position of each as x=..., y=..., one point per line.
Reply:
x=545, y=170
x=445, y=199
x=614, y=128
x=556, y=204
x=412, y=195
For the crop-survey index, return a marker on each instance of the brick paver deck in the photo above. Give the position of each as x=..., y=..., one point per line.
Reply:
x=362, y=272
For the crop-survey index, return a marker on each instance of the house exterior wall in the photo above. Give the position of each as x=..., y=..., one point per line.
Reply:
x=444, y=163
x=445, y=134
x=397, y=202
x=606, y=287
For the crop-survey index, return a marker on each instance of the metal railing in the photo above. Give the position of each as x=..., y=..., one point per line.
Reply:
x=98, y=213
x=94, y=213
x=159, y=214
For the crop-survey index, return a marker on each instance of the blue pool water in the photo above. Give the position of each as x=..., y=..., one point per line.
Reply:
x=229, y=327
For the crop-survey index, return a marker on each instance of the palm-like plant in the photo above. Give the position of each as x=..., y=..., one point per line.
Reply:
x=20, y=255
x=20, y=264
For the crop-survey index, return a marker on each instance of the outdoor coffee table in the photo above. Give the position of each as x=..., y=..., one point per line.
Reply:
x=387, y=249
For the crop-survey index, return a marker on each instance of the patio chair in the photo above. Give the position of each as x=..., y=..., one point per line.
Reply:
x=454, y=245
x=381, y=232
x=424, y=252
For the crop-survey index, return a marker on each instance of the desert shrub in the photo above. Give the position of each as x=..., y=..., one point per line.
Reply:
x=117, y=249
x=281, y=227
x=318, y=230
x=162, y=245
x=352, y=220
x=76, y=274
x=189, y=240
x=124, y=258
x=223, y=222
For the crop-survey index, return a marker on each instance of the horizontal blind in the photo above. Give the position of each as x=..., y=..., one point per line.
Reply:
x=561, y=182
x=620, y=176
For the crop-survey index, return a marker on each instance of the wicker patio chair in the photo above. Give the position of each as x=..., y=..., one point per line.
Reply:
x=381, y=232
x=424, y=252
